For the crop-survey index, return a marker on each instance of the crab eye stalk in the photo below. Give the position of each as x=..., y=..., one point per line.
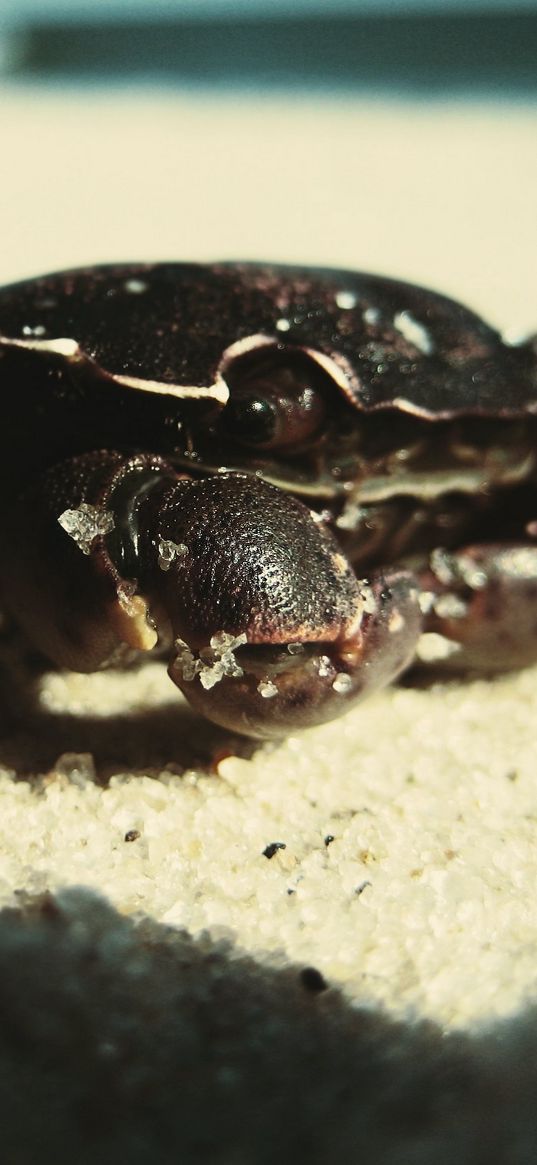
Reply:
x=275, y=407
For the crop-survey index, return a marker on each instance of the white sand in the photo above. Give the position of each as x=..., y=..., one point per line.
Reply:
x=430, y=797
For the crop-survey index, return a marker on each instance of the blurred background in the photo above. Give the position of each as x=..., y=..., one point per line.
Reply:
x=390, y=135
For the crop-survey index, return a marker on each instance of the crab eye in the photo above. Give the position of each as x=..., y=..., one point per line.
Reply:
x=252, y=418
x=274, y=408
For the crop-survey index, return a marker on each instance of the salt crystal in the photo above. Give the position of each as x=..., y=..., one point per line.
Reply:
x=396, y=622
x=346, y=300
x=442, y=565
x=433, y=648
x=351, y=516
x=342, y=682
x=169, y=552
x=77, y=767
x=185, y=661
x=472, y=574
x=368, y=598
x=214, y=661
x=224, y=641
x=86, y=523
x=135, y=286
x=39, y=330
x=371, y=316
x=519, y=561
x=450, y=607
x=414, y=332
x=426, y=600
x=267, y=689
x=211, y=674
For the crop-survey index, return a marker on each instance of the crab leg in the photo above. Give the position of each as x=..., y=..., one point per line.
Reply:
x=482, y=600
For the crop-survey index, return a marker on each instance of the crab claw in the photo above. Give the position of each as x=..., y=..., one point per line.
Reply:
x=272, y=630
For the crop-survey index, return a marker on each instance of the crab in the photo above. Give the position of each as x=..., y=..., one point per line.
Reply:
x=291, y=481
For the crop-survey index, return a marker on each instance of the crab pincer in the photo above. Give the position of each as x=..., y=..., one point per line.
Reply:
x=285, y=634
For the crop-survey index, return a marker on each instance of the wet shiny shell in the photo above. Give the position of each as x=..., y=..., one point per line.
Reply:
x=386, y=344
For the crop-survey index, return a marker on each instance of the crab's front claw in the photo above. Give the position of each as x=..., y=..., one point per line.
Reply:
x=272, y=630
x=269, y=628
x=268, y=691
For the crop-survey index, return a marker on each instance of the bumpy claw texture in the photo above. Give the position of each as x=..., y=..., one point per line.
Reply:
x=256, y=561
x=272, y=629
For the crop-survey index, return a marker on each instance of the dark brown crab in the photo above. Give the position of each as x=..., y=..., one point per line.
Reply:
x=210, y=458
